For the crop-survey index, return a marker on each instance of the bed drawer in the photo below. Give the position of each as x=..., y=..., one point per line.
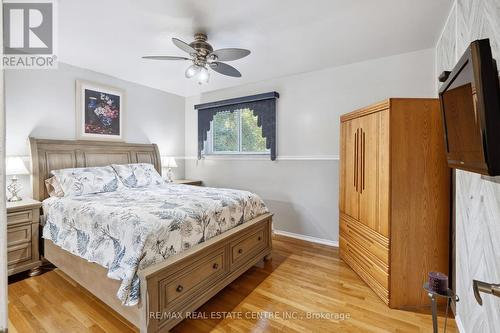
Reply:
x=247, y=245
x=25, y=216
x=18, y=235
x=186, y=282
x=18, y=253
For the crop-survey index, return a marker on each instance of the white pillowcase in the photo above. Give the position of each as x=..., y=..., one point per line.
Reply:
x=138, y=174
x=80, y=181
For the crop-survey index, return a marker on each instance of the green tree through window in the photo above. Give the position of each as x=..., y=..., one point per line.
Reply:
x=225, y=131
x=237, y=132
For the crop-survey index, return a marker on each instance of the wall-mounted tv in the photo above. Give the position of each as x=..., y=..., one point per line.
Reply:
x=470, y=105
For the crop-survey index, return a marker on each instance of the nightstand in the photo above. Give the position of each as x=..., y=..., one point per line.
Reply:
x=188, y=182
x=22, y=236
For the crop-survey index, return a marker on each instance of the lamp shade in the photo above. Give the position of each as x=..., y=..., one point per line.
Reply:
x=168, y=162
x=15, y=166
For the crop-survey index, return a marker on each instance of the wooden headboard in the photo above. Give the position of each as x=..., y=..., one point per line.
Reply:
x=47, y=155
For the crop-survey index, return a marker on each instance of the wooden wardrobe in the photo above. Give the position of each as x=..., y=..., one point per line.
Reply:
x=395, y=197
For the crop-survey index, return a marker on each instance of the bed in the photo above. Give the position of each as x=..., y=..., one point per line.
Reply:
x=184, y=272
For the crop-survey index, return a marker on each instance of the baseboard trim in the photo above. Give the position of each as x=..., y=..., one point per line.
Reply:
x=459, y=324
x=307, y=238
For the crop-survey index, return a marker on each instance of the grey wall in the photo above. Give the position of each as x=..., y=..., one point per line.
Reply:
x=301, y=187
x=477, y=200
x=41, y=103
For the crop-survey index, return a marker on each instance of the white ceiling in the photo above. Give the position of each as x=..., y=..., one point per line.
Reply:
x=285, y=36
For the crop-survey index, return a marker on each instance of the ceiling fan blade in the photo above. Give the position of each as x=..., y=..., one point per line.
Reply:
x=225, y=69
x=183, y=46
x=230, y=54
x=165, y=58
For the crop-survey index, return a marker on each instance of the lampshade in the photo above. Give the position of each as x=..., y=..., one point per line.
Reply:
x=168, y=162
x=15, y=166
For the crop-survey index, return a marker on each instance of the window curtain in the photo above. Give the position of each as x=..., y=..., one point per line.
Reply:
x=262, y=105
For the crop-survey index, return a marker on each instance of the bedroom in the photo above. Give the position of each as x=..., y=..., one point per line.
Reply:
x=283, y=170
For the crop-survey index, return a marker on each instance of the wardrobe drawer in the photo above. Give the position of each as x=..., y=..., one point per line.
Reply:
x=25, y=216
x=186, y=283
x=370, y=266
x=18, y=235
x=247, y=246
x=381, y=291
x=362, y=236
x=18, y=253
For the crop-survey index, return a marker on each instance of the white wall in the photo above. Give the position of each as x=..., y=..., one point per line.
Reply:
x=3, y=215
x=41, y=103
x=477, y=200
x=302, y=187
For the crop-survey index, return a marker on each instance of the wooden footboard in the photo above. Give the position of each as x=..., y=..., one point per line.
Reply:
x=180, y=285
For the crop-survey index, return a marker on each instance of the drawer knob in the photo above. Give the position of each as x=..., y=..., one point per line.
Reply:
x=215, y=266
x=259, y=238
x=179, y=288
x=240, y=251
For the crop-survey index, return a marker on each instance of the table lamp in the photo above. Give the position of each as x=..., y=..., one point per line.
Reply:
x=14, y=167
x=169, y=163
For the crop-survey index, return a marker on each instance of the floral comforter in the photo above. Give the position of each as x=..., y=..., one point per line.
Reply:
x=133, y=228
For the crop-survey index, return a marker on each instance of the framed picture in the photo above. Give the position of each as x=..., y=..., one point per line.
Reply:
x=100, y=112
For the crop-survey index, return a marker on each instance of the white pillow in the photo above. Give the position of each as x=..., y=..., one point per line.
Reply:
x=80, y=181
x=138, y=174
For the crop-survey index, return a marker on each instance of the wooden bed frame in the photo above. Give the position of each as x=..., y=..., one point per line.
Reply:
x=173, y=288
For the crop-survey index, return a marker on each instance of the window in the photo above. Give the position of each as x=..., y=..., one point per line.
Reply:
x=242, y=125
x=235, y=132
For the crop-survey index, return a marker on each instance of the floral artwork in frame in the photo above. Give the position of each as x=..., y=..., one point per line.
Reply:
x=100, y=112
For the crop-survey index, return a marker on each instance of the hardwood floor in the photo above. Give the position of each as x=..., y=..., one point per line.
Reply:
x=303, y=279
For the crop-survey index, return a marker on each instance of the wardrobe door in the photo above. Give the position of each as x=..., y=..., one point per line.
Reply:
x=369, y=171
x=384, y=158
x=349, y=166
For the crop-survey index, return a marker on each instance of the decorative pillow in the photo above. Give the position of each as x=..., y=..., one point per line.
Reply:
x=138, y=174
x=53, y=187
x=80, y=181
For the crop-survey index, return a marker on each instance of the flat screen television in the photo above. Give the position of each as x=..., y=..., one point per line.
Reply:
x=470, y=105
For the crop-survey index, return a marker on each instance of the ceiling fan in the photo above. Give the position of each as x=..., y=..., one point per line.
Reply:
x=203, y=57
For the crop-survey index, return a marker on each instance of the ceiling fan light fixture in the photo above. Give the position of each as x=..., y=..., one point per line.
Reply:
x=203, y=75
x=203, y=57
x=192, y=71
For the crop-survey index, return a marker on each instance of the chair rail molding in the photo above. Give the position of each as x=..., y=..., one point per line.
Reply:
x=251, y=157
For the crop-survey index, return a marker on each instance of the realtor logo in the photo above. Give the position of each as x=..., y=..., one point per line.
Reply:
x=28, y=34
